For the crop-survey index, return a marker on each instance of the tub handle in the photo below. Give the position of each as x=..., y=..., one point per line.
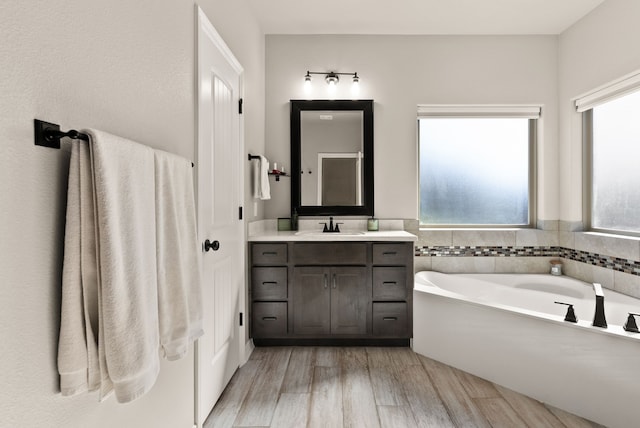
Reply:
x=631, y=325
x=571, y=315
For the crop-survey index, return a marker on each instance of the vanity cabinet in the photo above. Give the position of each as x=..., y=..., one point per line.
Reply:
x=331, y=291
x=330, y=300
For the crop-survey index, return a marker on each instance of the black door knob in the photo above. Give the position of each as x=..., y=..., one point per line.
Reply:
x=208, y=245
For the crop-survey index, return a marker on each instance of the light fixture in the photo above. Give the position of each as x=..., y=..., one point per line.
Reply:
x=307, y=83
x=332, y=78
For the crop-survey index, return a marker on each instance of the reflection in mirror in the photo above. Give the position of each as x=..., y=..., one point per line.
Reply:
x=332, y=157
x=333, y=148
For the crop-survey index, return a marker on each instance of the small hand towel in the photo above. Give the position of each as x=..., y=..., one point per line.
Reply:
x=178, y=255
x=124, y=195
x=261, y=189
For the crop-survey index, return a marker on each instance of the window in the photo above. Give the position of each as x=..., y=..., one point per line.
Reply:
x=476, y=166
x=612, y=173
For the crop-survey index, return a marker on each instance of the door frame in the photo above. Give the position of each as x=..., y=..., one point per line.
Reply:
x=358, y=156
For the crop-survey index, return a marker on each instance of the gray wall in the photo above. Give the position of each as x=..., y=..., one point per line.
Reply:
x=126, y=67
x=400, y=72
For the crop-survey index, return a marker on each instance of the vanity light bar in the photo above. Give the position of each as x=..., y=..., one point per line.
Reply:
x=332, y=77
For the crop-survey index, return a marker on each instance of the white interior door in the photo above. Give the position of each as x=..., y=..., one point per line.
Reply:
x=219, y=197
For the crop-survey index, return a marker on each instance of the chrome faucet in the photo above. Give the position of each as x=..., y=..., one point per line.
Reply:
x=599, y=319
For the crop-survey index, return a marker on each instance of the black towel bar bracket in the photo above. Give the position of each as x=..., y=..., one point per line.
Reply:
x=49, y=135
x=252, y=157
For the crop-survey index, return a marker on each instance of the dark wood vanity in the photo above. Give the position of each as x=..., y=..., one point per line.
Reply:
x=331, y=292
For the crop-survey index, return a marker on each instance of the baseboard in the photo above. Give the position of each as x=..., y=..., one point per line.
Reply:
x=248, y=349
x=332, y=342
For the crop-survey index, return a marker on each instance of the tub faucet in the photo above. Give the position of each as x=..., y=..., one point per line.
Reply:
x=599, y=319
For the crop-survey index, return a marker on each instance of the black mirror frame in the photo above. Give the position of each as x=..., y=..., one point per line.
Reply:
x=367, y=207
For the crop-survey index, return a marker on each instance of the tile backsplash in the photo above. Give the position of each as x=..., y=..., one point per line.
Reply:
x=612, y=260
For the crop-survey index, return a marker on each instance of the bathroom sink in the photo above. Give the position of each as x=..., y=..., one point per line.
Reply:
x=329, y=234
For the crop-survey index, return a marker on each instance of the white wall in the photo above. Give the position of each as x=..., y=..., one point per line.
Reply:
x=598, y=49
x=601, y=47
x=400, y=72
x=126, y=67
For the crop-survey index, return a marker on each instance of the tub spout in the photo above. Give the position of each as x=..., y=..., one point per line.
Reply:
x=599, y=319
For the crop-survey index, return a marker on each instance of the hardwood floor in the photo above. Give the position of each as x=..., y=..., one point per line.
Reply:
x=371, y=387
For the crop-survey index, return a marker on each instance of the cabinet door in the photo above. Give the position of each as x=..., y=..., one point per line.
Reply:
x=350, y=297
x=311, y=300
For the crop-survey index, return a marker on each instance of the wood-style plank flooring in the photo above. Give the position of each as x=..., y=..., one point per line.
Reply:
x=371, y=387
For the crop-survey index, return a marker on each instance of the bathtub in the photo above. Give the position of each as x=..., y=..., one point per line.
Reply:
x=506, y=328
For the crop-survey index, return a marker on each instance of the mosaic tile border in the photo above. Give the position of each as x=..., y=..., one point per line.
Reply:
x=621, y=265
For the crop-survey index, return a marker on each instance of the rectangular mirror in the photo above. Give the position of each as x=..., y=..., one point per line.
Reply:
x=332, y=157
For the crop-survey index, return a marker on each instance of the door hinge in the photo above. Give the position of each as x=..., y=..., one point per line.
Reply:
x=240, y=319
x=240, y=213
x=240, y=106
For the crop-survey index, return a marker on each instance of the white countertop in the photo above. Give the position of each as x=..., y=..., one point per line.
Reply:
x=310, y=236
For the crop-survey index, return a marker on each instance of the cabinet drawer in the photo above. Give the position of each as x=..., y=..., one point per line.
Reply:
x=390, y=254
x=390, y=319
x=268, y=254
x=341, y=253
x=269, y=319
x=269, y=283
x=389, y=283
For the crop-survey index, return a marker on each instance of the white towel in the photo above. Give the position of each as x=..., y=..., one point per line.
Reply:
x=178, y=255
x=78, y=362
x=261, y=189
x=124, y=190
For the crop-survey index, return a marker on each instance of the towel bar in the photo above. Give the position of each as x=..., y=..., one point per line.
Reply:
x=277, y=175
x=49, y=135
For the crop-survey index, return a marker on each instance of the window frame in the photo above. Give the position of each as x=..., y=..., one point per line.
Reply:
x=587, y=177
x=488, y=112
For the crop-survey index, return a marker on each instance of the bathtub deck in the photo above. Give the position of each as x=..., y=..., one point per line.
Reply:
x=371, y=387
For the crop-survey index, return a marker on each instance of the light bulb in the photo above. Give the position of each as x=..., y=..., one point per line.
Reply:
x=355, y=86
x=332, y=79
x=307, y=82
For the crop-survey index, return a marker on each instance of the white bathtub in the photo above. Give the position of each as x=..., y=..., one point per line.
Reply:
x=506, y=328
